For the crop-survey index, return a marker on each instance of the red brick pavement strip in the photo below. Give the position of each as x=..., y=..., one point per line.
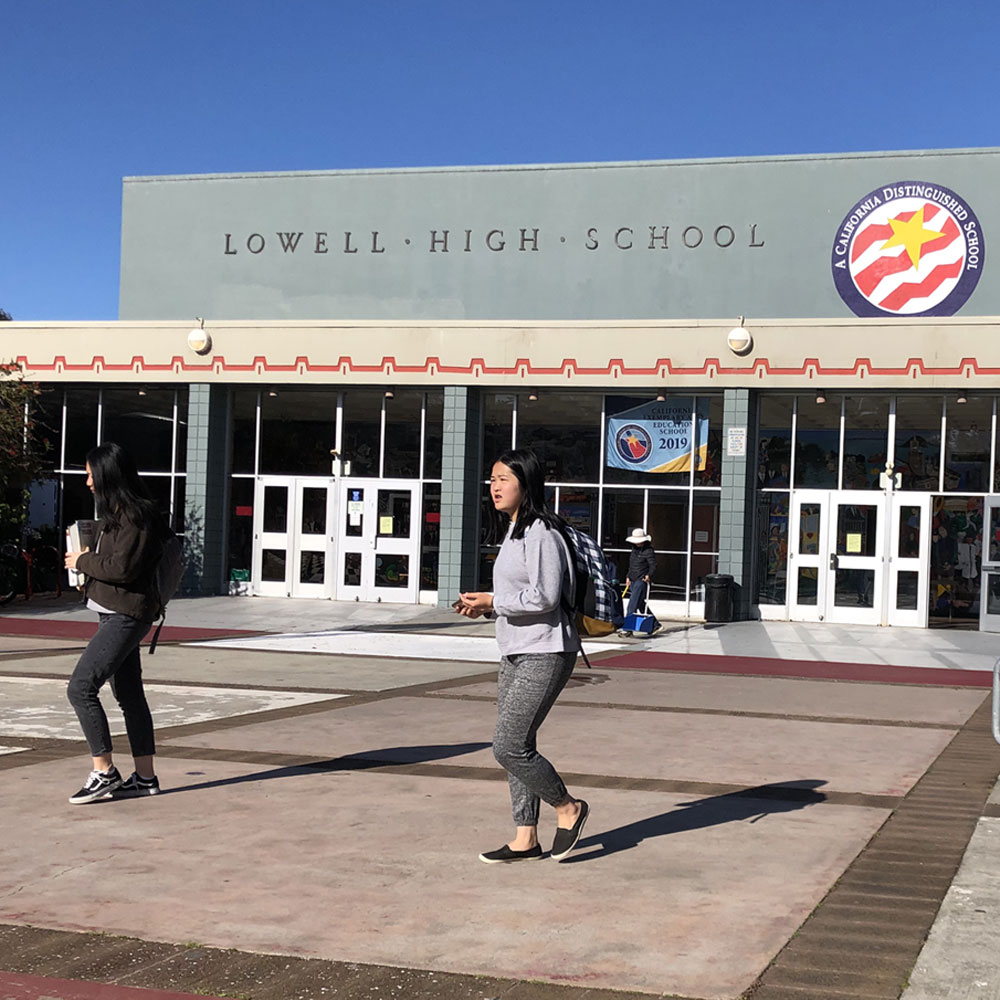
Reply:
x=766, y=666
x=42, y=628
x=18, y=987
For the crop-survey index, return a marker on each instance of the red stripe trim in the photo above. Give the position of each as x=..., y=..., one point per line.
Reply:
x=765, y=666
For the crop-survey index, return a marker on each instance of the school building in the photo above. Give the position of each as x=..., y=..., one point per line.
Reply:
x=784, y=369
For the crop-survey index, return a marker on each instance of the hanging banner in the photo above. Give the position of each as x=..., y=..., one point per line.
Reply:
x=659, y=436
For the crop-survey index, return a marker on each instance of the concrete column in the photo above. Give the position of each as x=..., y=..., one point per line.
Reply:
x=461, y=492
x=736, y=528
x=205, y=494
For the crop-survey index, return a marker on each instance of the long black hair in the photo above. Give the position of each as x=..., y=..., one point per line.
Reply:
x=118, y=490
x=523, y=462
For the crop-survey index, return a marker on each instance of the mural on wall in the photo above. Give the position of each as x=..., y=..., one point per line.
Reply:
x=910, y=248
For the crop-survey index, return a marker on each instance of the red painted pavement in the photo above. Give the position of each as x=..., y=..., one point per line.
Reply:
x=14, y=986
x=766, y=666
x=57, y=629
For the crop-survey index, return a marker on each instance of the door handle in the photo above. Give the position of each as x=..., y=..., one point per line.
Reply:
x=834, y=562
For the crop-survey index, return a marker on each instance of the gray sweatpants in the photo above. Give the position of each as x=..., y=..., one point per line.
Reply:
x=527, y=688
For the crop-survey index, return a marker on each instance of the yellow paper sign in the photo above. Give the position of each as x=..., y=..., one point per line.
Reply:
x=853, y=543
x=385, y=525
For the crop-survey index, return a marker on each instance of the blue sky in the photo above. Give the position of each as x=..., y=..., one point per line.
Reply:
x=93, y=92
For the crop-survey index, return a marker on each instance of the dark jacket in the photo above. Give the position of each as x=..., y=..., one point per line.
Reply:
x=120, y=574
x=641, y=562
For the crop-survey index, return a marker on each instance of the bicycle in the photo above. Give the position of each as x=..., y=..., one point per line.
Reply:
x=22, y=565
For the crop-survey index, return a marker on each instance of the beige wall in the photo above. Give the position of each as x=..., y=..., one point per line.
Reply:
x=922, y=353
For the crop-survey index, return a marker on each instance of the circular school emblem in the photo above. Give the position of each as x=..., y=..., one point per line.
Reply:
x=633, y=444
x=911, y=248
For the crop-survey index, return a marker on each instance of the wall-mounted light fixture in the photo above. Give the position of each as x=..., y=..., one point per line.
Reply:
x=533, y=396
x=390, y=393
x=962, y=398
x=199, y=339
x=820, y=397
x=661, y=396
x=141, y=392
x=739, y=340
x=272, y=393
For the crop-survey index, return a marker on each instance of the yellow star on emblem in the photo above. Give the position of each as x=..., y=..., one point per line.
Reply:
x=912, y=235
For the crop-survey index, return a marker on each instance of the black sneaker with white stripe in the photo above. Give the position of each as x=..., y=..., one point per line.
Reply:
x=135, y=785
x=99, y=784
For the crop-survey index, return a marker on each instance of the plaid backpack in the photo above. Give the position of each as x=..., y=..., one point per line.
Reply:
x=596, y=604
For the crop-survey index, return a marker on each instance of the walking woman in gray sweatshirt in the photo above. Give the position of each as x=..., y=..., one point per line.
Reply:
x=533, y=578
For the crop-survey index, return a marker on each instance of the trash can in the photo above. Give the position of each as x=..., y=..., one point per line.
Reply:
x=718, y=597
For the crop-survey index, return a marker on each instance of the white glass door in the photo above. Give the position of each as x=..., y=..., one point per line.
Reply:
x=989, y=584
x=856, y=559
x=378, y=540
x=807, y=555
x=313, y=537
x=271, y=521
x=909, y=560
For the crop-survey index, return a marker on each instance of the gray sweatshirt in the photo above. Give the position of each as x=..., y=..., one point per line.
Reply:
x=530, y=577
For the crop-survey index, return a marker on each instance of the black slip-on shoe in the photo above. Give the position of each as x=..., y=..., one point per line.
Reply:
x=135, y=785
x=566, y=839
x=97, y=785
x=504, y=856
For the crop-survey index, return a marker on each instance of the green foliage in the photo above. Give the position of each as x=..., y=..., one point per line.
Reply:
x=23, y=445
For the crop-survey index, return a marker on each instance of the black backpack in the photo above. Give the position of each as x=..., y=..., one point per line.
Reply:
x=166, y=579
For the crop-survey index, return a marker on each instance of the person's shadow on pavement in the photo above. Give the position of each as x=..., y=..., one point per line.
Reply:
x=750, y=804
x=362, y=761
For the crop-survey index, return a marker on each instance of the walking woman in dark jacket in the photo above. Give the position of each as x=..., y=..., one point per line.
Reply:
x=120, y=588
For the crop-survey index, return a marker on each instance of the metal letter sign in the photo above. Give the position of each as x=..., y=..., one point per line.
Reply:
x=659, y=437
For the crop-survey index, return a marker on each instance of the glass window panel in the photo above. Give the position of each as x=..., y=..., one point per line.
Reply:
x=362, y=426
x=179, y=513
x=81, y=426
x=313, y=510
x=578, y=507
x=774, y=451
x=498, y=427
x=273, y=565
x=623, y=511
x=866, y=434
x=705, y=522
x=312, y=567
x=856, y=527
x=669, y=581
x=402, y=435
x=564, y=431
x=808, y=586
x=394, y=513
x=46, y=426
x=298, y=431
x=918, y=441
x=817, y=442
x=993, y=593
x=392, y=570
x=433, y=431
x=854, y=588
x=352, y=569
x=158, y=488
x=616, y=405
x=711, y=474
x=142, y=422
x=276, y=508
x=182, y=428
x=77, y=500
x=772, y=548
x=668, y=520
x=967, y=445
x=908, y=542
x=240, y=528
x=354, y=514
x=244, y=409
x=906, y=590
x=701, y=566
x=956, y=555
x=430, y=536
x=810, y=527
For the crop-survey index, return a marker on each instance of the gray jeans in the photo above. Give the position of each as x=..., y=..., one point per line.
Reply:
x=113, y=654
x=527, y=688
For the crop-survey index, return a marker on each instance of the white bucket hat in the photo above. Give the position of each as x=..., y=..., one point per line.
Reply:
x=638, y=536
